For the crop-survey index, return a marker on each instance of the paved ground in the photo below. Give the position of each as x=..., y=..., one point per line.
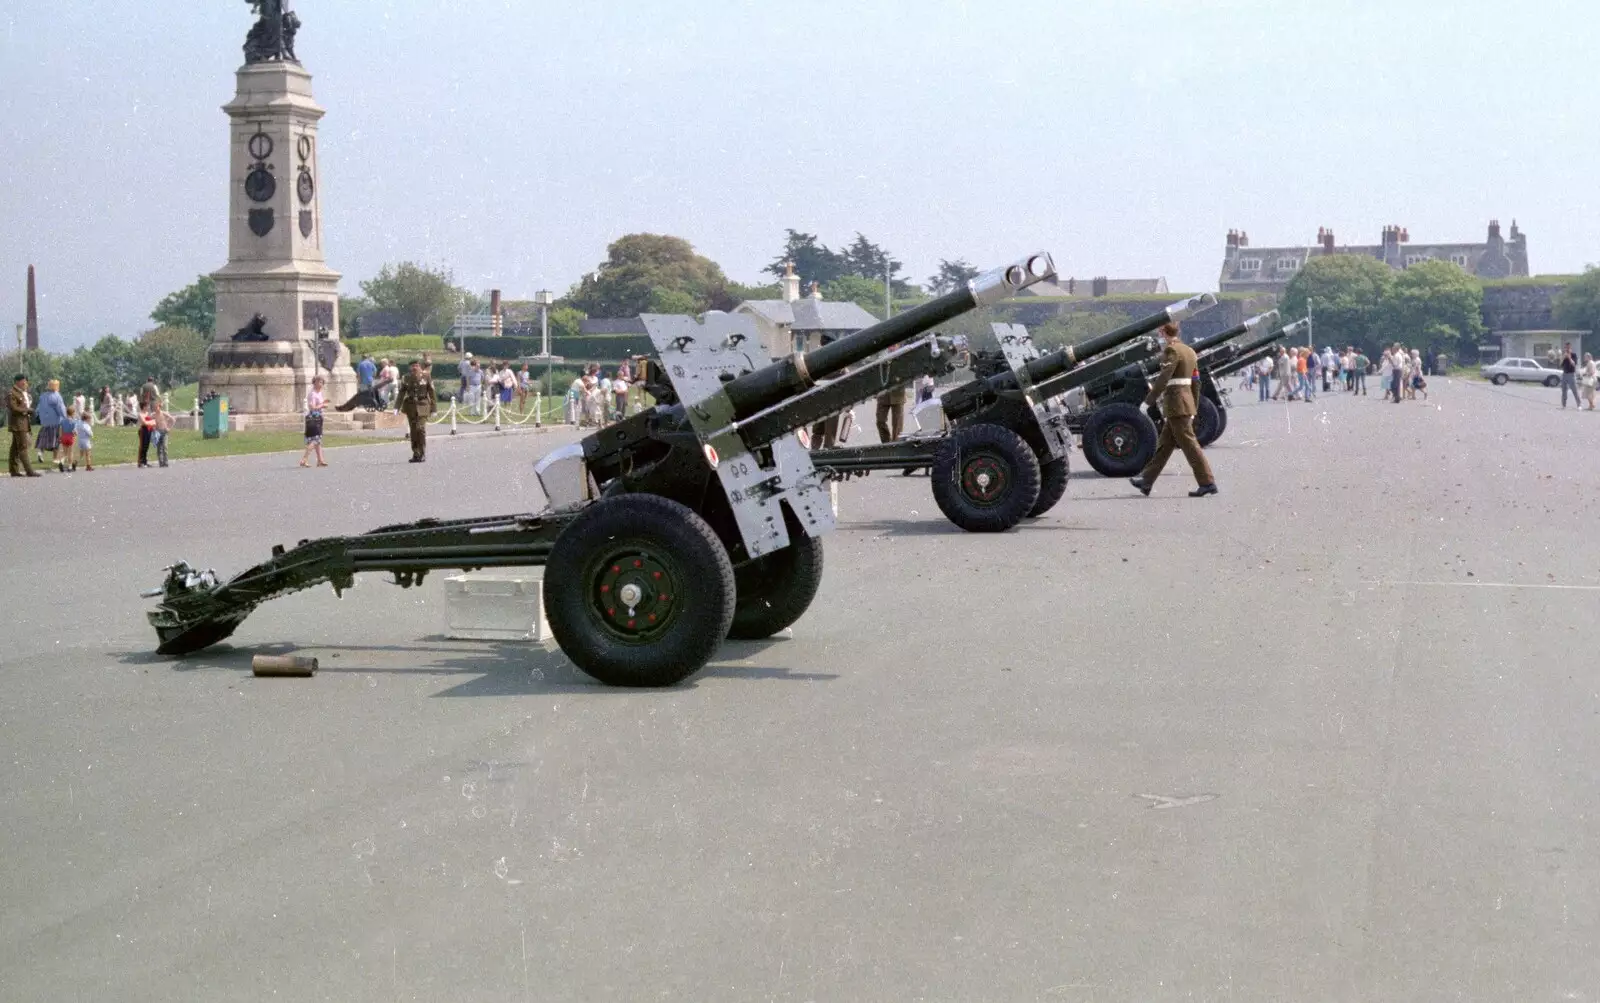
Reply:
x=1332, y=735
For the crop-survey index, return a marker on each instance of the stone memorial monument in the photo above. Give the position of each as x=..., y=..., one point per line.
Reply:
x=277, y=300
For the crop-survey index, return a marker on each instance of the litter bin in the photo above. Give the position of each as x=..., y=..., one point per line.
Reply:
x=214, y=418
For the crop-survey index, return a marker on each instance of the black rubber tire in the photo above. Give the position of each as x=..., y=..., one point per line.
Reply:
x=1052, y=486
x=1207, y=422
x=1500, y=379
x=776, y=589
x=636, y=528
x=1552, y=381
x=1222, y=425
x=1135, y=434
x=1009, y=462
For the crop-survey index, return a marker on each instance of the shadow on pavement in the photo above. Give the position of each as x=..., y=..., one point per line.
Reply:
x=499, y=668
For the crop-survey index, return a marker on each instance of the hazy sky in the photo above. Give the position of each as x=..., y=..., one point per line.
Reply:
x=512, y=141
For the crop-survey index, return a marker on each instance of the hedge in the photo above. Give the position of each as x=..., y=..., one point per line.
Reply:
x=389, y=345
x=585, y=348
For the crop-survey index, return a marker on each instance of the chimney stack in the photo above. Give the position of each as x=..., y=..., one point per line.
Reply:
x=495, y=327
x=791, y=283
x=33, y=312
x=816, y=290
x=1325, y=238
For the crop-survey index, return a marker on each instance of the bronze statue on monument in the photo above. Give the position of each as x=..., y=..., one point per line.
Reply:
x=272, y=36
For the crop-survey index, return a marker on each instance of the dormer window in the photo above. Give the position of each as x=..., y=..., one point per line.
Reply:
x=1288, y=264
x=1249, y=264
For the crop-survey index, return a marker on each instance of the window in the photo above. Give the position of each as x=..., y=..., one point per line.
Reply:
x=799, y=343
x=1460, y=259
x=1249, y=264
x=1412, y=259
x=1288, y=264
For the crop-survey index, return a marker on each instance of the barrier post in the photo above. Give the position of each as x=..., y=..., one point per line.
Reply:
x=497, y=413
x=538, y=411
x=452, y=417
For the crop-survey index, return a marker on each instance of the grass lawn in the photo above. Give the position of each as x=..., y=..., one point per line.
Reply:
x=121, y=445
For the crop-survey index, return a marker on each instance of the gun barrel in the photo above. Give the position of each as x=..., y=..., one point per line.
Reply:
x=1250, y=326
x=1250, y=351
x=764, y=388
x=1065, y=359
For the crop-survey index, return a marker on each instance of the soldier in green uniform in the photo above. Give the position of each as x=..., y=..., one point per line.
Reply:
x=1178, y=390
x=891, y=414
x=416, y=402
x=19, y=416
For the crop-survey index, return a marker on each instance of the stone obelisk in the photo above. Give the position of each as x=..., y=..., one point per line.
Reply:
x=33, y=312
x=277, y=299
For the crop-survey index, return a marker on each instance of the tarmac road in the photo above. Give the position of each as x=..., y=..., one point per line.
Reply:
x=1332, y=735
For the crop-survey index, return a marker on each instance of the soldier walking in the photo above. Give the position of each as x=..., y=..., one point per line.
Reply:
x=416, y=402
x=19, y=419
x=1179, y=393
x=891, y=414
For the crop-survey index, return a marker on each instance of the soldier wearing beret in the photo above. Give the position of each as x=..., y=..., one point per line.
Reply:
x=416, y=401
x=1178, y=390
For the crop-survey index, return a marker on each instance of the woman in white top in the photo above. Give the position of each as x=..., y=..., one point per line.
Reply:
x=314, y=404
x=1588, y=376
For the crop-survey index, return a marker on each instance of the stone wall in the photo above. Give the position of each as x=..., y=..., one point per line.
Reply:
x=1520, y=307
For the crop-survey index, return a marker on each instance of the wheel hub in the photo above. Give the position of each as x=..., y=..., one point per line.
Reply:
x=635, y=593
x=984, y=479
x=1118, y=440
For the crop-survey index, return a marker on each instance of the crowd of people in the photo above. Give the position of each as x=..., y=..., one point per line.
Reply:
x=1295, y=373
x=66, y=430
x=596, y=400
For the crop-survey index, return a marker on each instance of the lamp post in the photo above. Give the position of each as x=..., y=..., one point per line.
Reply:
x=545, y=298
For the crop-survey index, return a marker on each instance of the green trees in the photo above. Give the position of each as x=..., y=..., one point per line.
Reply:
x=1433, y=305
x=1578, y=306
x=194, y=306
x=951, y=275
x=173, y=355
x=864, y=292
x=645, y=271
x=1357, y=300
x=816, y=262
x=427, y=298
x=1347, y=293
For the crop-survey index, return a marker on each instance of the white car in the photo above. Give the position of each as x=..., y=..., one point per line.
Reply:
x=1527, y=370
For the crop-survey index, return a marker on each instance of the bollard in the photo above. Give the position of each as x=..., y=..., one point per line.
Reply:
x=283, y=666
x=497, y=413
x=538, y=411
x=452, y=417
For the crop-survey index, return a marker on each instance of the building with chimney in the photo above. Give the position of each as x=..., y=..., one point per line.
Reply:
x=798, y=323
x=1269, y=269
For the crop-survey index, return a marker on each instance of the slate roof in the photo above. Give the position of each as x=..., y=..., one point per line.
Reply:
x=812, y=315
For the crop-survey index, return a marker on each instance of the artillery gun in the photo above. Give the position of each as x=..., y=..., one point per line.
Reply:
x=1107, y=404
x=1248, y=353
x=997, y=445
x=697, y=519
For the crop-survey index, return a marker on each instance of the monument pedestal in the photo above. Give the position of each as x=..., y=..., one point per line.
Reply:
x=276, y=283
x=272, y=377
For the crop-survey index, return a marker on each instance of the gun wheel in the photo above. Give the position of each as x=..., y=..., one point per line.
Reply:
x=1219, y=422
x=1207, y=422
x=1052, y=486
x=639, y=591
x=985, y=478
x=1118, y=440
x=776, y=589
